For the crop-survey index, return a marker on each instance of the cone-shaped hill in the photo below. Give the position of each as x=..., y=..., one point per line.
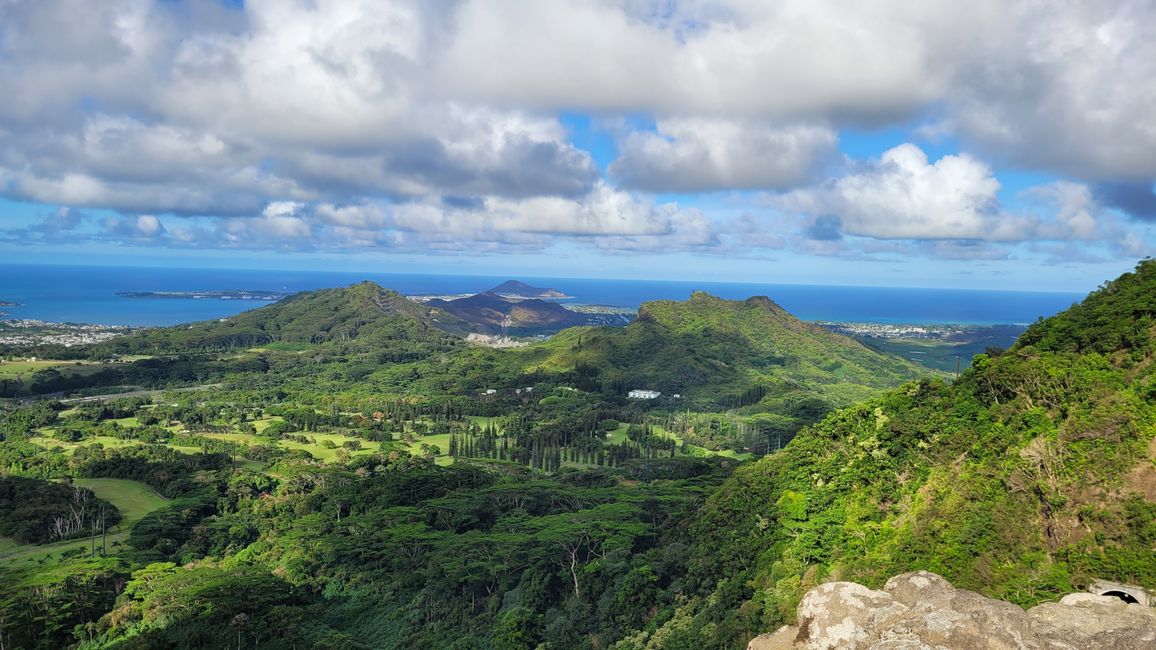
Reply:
x=491, y=313
x=730, y=353
x=1031, y=476
x=365, y=313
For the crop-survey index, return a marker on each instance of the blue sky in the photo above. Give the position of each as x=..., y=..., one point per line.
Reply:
x=797, y=142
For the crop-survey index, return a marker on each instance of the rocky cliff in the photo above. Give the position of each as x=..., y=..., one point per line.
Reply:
x=922, y=611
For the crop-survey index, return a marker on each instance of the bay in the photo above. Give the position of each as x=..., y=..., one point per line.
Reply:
x=87, y=294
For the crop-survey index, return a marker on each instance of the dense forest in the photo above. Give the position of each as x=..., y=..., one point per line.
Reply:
x=340, y=470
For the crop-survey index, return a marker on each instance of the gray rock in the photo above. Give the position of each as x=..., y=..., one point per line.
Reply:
x=922, y=611
x=783, y=639
x=843, y=615
x=1104, y=622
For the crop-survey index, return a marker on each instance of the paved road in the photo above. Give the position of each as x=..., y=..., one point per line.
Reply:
x=97, y=398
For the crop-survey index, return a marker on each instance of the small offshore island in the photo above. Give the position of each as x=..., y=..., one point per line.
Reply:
x=228, y=294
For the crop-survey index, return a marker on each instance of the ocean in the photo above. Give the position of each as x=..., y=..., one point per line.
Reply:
x=81, y=294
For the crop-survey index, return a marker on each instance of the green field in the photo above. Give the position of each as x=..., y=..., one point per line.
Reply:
x=618, y=436
x=133, y=499
x=264, y=423
x=25, y=369
x=484, y=421
x=69, y=447
x=324, y=453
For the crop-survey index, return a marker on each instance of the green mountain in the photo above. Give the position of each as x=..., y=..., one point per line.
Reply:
x=1030, y=476
x=731, y=353
x=365, y=313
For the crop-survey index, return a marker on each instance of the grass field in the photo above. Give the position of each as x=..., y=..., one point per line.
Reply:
x=320, y=452
x=133, y=499
x=70, y=447
x=483, y=421
x=264, y=423
x=25, y=369
x=618, y=436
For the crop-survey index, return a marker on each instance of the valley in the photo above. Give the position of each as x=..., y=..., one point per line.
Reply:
x=352, y=437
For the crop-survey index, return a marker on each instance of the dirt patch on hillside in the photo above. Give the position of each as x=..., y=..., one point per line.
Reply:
x=1142, y=477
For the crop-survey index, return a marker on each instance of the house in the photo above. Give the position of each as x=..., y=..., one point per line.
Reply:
x=643, y=394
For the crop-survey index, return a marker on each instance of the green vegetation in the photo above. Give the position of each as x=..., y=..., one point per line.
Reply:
x=1029, y=477
x=34, y=512
x=353, y=477
x=133, y=499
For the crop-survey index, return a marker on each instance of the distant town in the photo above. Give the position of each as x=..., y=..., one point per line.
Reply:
x=26, y=332
x=908, y=331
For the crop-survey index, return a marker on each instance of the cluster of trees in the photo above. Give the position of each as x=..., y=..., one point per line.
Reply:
x=542, y=534
x=35, y=511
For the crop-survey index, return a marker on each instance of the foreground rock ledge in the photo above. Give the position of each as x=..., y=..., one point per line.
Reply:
x=922, y=611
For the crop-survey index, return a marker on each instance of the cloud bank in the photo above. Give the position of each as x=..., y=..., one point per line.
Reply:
x=350, y=124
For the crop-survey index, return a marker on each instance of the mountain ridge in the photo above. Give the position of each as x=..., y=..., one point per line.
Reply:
x=1029, y=477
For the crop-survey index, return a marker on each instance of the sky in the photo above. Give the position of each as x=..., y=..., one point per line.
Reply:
x=995, y=145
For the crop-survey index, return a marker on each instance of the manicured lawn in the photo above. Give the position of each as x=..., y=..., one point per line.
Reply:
x=323, y=453
x=25, y=369
x=70, y=447
x=483, y=421
x=246, y=438
x=133, y=498
x=264, y=423
x=11, y=369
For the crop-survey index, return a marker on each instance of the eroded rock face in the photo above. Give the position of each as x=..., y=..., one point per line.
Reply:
x=922, y=611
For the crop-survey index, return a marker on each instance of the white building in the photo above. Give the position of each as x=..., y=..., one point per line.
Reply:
x=643, y=394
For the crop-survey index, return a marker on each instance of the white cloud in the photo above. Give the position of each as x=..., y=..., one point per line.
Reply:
x=1067, y=87
x=870, y=60
x=448, y=114
x=696, y=154
x=904, y=196
x=142, y=228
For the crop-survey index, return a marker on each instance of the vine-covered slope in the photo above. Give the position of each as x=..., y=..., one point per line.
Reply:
x=1027, y=478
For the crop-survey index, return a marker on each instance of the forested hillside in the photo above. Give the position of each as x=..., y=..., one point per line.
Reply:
x=1024, y=480
x=731, y=353
x=385, y=485
x=365, y=312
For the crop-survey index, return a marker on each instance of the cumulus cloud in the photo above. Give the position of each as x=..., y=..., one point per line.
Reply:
x=226, y=111
x=604, y=212
x=904, y=196
x=696, y=154
x=1135, y=198
x=1064, y=87
x=605, y=217
x=787, y=59
x=445, y=115
x=145, y=227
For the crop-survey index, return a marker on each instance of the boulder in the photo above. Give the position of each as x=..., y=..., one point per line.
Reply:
x=922, y=611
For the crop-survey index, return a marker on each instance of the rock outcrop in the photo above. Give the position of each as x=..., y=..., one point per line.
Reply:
x=922, y=611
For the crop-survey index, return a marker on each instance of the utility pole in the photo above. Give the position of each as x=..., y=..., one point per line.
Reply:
x=103, y=533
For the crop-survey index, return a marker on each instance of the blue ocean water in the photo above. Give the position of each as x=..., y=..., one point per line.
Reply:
x=88, y=295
